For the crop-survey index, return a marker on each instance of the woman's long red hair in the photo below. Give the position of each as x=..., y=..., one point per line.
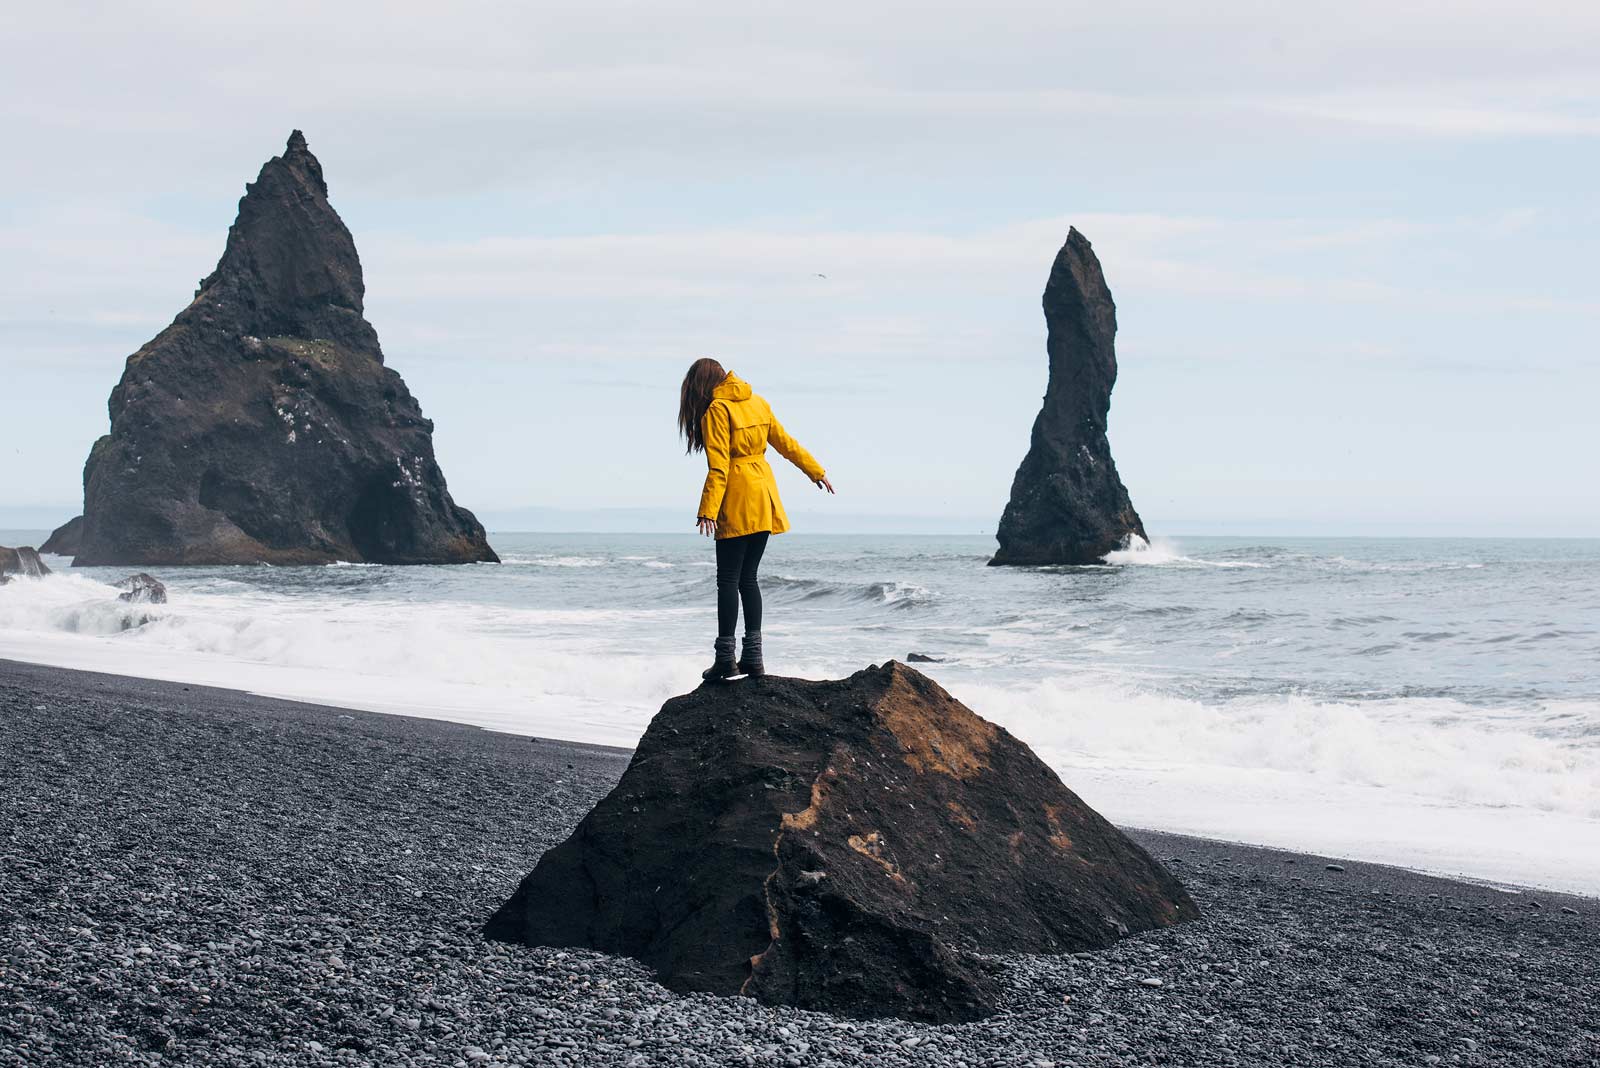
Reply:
x=694, y=397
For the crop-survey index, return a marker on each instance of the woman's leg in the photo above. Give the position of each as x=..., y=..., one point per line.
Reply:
x=750, y=661
x=730, y=566
x=750, y=583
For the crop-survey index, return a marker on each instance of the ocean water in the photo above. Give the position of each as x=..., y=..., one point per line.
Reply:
x=1427, y=702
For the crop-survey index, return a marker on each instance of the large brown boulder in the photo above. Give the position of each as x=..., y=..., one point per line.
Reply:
x=1068, y=505
x=262, y=426
x=845, y=846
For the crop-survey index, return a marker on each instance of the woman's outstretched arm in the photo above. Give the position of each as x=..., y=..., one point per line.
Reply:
x=796, y=454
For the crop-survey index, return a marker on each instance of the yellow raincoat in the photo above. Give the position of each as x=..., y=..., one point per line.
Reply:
x=740, y=492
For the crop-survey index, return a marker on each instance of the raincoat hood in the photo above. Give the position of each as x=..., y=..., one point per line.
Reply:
x=732, y=388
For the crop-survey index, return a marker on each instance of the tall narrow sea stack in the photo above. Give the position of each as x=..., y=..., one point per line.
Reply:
x=1067, y=504
x=262, y=426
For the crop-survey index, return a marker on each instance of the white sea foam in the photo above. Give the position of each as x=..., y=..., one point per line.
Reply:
x=1509, y=792
x=71, y=605
x=1164, y=552
x=1432, y=748
x=1402, y=566
x=517, y=669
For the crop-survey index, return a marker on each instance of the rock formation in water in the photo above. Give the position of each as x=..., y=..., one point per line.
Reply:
x=262, y=426
x=846, y=846
x=64, y=541
x=1068, y=506
x=142, y=589
x=22, y=561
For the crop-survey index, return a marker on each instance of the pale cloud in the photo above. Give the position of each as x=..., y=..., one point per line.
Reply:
x=523, y=96
x=1142, y=252
x=1409, y=115
x=885, y=292
x=560, y=197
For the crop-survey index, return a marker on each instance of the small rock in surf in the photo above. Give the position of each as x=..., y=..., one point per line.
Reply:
x=22, y=561
x=142, y=589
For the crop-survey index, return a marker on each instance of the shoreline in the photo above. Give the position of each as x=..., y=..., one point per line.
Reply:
x=1195, y=694
x=113, y=682
x=220, y=878
x=494, y=724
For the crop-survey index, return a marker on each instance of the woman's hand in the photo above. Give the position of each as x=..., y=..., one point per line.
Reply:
x=823, y=483
x=708, y=527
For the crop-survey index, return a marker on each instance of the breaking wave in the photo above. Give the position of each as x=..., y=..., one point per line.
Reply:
x=1317, y=698
x=900, y=595
x=71, y=604
x=1434, y=748
x=1164, y=552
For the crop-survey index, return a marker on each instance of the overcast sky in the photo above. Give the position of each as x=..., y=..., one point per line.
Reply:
x=1352, y=245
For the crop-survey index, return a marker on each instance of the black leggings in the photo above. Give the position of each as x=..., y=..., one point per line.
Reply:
x=738, y=560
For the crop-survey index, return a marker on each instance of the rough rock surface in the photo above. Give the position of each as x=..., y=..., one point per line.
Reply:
x=262, y=425
x=66, y=538
x=22, y=561
x=1068, y=505
x=847, y=846
x=142, y=589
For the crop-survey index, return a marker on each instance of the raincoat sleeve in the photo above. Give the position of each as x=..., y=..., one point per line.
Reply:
x=715, y=430
x=793, y=451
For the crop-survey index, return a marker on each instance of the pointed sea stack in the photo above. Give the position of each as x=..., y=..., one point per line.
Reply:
x=262, y=426
x=1068, y=506
x=849, y=846
x=65, y=539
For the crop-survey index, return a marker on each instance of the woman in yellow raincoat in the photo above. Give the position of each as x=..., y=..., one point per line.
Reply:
x=721, y=416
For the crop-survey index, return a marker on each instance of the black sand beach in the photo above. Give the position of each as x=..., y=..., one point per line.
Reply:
x=195, y=876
